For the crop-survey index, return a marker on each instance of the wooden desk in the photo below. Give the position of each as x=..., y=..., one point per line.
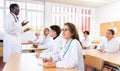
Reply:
x=112, y=58
x=29, y=47
x=26, y=42
x=28, y=62
x=1, y=51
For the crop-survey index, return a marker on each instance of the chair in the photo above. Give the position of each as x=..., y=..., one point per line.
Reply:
x=94, y=62
x=111, y=67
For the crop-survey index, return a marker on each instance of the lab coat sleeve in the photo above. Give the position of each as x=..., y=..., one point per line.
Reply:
x=45, y=55
x=101, y=46
x=114, y=44
x=117, y=46
x=88, y=45
x=72, y=59
x=10, y=26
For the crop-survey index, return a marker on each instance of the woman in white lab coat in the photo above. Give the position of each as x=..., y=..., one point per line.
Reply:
x=12, y=35
x=70, y=53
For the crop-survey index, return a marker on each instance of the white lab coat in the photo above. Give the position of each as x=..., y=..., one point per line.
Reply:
x=86, y=42
x=12, y=36
x=45, y=42
x=53, y=48
x=36, y=40
x=70, y=56
x=110, y=46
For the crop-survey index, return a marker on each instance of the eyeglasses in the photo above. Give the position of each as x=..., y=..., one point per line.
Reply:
x=66, y=29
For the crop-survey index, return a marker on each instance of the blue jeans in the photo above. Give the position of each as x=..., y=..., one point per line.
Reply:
x=94, y=69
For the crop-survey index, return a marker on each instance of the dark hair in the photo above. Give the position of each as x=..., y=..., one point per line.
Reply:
x=12, y=6
x=56, y=28
x=87, y=32
x=112, y=31
x=73, y=30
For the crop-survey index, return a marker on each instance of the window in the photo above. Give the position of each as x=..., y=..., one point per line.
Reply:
x=1, y=16
x=1, y=3
x=35, y=16
x=1, y=20
x=32, y=12
x=81, y=17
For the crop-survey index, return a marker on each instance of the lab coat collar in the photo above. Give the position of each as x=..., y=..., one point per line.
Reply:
x=13, y=14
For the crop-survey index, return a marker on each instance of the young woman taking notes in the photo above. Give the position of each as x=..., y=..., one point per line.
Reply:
x=70, y=53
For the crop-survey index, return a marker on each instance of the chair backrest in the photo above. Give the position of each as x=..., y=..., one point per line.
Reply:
x=94, y=62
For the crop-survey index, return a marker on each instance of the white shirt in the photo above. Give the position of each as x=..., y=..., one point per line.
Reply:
x=36, y=40
x=86, y=42
x=53, y=48
x=70, y=56
x=45, y=42
x=110, y=46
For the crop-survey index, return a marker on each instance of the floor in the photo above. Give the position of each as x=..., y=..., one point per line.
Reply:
x=1, y=63
x=104, y=69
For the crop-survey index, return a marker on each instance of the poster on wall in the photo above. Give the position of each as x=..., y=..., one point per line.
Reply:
x=110, y=25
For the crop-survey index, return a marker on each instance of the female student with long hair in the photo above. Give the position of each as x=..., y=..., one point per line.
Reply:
x=70, y=53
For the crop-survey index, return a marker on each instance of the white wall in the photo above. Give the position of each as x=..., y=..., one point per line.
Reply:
x=107, y=13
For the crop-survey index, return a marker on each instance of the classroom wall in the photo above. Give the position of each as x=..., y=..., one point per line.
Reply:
x=48, y=17
x=107, y=13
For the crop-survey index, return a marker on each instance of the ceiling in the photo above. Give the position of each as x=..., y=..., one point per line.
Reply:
x=84, y=3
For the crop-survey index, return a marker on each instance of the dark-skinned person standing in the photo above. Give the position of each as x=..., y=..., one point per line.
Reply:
x=13, y=31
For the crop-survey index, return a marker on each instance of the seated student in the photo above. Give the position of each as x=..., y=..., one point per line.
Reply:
x=36, y=40
x=111, y=44
x=86, y=42
x=55, y=44
x=70, y=53
x=44, y=41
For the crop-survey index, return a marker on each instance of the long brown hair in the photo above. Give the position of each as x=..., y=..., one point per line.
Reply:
x=73, y=30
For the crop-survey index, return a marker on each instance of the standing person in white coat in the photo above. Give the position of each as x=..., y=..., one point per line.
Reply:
x=13, y=30
x=70, y=53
